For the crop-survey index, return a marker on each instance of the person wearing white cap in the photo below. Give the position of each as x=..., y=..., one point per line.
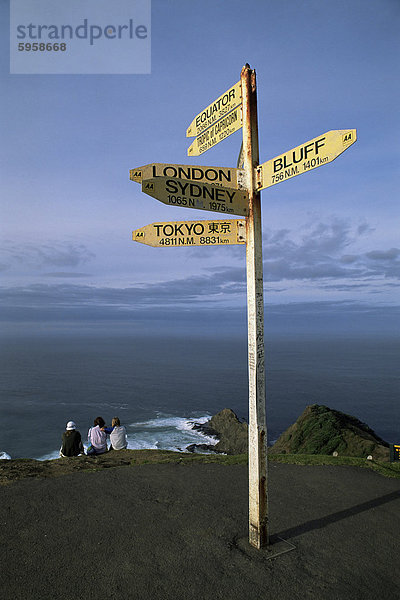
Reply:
x=71, y=441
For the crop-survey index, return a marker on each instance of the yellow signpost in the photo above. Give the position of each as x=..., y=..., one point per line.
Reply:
x=315, y=153
x=235, y=191
x=221, y=176
x=192, y=233
x=216, y=110
x=216, y=133
x=201, y=196
x=394, y=452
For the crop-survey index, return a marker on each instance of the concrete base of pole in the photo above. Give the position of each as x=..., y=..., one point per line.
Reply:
x=276, y=547
x=258, y=537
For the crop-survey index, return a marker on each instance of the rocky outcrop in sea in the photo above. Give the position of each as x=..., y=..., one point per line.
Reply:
x=228, y=429
x=318, y=430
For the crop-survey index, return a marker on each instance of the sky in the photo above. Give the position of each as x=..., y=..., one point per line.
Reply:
x=331, y=246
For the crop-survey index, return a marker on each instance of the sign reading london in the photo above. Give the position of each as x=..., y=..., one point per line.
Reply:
x=315, y=153
x=202, y=196
x=192, y=233
x=221, y=176
x=217, y=121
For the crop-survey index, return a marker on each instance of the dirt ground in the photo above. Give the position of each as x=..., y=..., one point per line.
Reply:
x=179, y=531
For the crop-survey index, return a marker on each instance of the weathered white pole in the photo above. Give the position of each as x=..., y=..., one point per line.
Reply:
x=258, y=498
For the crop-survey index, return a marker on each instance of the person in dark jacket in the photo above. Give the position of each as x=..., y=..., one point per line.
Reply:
x=71, y=441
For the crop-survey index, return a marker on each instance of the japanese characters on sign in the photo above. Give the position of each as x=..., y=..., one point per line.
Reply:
x=192, y=233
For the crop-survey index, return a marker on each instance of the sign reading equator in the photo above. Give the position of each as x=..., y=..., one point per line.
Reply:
x=310, y=155
x=221, y=176
x=216, y=110
x=201, y=196
x=192, y=233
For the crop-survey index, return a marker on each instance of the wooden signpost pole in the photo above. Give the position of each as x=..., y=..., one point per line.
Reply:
x=235, y=192
x=258, y=504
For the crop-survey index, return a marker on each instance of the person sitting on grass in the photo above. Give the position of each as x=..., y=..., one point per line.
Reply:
x=71, y=441
x=97, y=437
x=118, y=435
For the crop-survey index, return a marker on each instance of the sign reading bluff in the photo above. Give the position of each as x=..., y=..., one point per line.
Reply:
x=318, y=151
x=192, y=233
x=201, y=196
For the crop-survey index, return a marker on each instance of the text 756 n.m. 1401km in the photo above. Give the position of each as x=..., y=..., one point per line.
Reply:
x=315, y=153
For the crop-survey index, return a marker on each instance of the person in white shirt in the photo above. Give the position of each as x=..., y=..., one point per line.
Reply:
x=118, y=435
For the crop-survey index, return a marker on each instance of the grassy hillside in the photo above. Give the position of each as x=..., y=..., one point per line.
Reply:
x=321, y=430
x=17, y=469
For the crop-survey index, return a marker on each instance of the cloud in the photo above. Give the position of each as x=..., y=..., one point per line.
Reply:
x=391, y=254
x=316, y=253
x=105, y=316
x=66, y=275
x=45, y=255
x=215, y=286
x=348, y=259
x=364, y=228
x=314, y=259
x=379, y=288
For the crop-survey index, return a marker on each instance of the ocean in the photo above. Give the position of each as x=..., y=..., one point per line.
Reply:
x=159, y=387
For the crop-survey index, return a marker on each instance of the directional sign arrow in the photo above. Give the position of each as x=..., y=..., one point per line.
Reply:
x=221, y=176
x=192, y=233
x=216, y=110
x=310, y=155
x=201, y=196
x=216, y=133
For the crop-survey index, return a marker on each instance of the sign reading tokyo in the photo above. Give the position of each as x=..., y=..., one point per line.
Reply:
x=192, y=233
x=216, y=110
x=202, y=196
x=221, y=176
x=216, y=133
x=318, y=151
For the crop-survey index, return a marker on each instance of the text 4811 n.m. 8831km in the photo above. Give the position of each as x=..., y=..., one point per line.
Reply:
x=192, y=233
